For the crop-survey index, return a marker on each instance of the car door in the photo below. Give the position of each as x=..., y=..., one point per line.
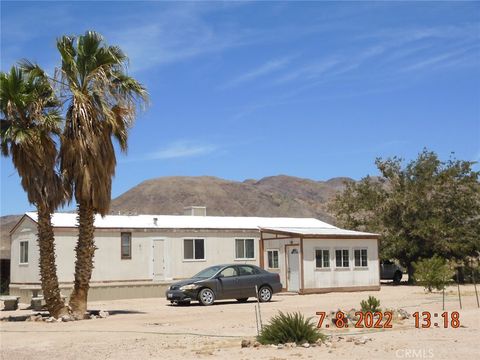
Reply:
x=248, y=278
x=228, y=283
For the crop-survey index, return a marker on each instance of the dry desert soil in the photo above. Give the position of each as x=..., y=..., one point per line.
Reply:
x=153, y=329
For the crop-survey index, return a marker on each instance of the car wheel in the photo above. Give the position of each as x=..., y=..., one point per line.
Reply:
x=242, y=300
x=206, y=297
x=264, y=294
x=397, y=277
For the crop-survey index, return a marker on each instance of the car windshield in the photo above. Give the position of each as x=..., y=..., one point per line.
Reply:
x=208, y=272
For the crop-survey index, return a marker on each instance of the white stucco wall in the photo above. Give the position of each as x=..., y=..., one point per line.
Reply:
x=219, y=249
x=331, y=277
x=108, y=265
x=340, y=277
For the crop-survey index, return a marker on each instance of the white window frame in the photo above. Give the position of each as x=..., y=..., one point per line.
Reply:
x=360, y=266
x=244, y=249
x=329, y=258
x=20, y=260
x=204, y=250
x=349, y=260
x=278, y=259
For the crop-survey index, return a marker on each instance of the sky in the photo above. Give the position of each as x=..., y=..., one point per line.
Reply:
x=244, y=90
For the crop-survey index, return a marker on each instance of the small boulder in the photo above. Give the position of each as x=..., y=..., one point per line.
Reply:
x=103, y=314
x=246, y=343
x=402, y=314
x=280, y=346
x=50, y=319
x=306, y=345
x=66, y=318
x=256, y=344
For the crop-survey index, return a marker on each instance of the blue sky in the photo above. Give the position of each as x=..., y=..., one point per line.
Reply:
x=247, y=90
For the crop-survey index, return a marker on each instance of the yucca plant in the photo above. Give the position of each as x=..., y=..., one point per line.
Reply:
x=290, y=327
x=371, y=304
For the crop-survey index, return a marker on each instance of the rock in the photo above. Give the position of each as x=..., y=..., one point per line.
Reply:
x=66, y=318
x=103, y=314
x=93, y=317
x=402, y=314
x=59, y=319
x=50, y=319
x=256, y=344
x=273, y=346
x=37, y=317
x=280, y=346
x=246, y=343
x=350, y=339
x=306, y=345
x=328, y=344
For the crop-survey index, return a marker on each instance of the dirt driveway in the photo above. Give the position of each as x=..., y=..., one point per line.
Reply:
x=153, y=329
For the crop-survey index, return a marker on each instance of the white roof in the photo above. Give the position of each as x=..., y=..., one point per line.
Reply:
x=185, y=221
x=299, y=226
x=317, y=231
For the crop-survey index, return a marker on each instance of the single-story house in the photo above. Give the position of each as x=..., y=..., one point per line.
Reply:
x=140, y=255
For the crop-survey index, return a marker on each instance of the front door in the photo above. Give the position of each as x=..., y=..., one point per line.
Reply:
x=158, y=260
x=293, y=268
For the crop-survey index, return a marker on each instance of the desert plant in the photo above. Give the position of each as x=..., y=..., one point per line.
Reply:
x=101, y=100
x=371, y=304
x=290, y=327
x=29, y=124
x=433, y=273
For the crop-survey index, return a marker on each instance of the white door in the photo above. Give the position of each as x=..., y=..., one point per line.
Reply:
x=158, y=260
x=293, y=266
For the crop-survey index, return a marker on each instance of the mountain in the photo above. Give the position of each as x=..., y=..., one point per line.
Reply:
x=271, y=196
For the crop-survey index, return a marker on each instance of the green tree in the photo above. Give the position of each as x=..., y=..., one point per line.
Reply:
x=29, y=124
x=101, y=101
x=433, y=273
x=425, y=208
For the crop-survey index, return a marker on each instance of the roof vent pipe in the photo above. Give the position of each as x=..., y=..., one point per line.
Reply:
x=155, y=221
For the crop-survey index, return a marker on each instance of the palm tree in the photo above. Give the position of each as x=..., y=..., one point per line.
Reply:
x=30, y=121
x=101, y=102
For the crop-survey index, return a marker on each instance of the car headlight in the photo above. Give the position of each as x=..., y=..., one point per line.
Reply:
x=188, y=287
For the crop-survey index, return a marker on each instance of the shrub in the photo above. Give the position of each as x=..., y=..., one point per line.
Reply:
x=285, y=328
x=433, y=273
x=371, y=304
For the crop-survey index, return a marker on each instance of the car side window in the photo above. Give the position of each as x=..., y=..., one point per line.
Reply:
x=246, y=270
x=229, y=272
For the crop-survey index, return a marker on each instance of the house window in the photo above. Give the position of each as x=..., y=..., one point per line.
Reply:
x=194, y=249
x=361, y=258
x=23, y=252
x=272, y=259
x=322, y=258
x=126, y=244
x=244, y=249
x=341, y=258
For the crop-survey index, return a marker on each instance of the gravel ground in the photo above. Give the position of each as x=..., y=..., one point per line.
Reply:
x=153, y=329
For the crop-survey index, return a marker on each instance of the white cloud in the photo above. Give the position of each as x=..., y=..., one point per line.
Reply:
x=182, y=149
x=264, y=69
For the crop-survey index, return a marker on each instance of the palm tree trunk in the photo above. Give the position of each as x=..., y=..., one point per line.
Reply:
x=84, y=250
x=48, y=269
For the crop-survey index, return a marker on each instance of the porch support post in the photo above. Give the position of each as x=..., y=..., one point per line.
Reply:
x=261, y=250
x=302, y=280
